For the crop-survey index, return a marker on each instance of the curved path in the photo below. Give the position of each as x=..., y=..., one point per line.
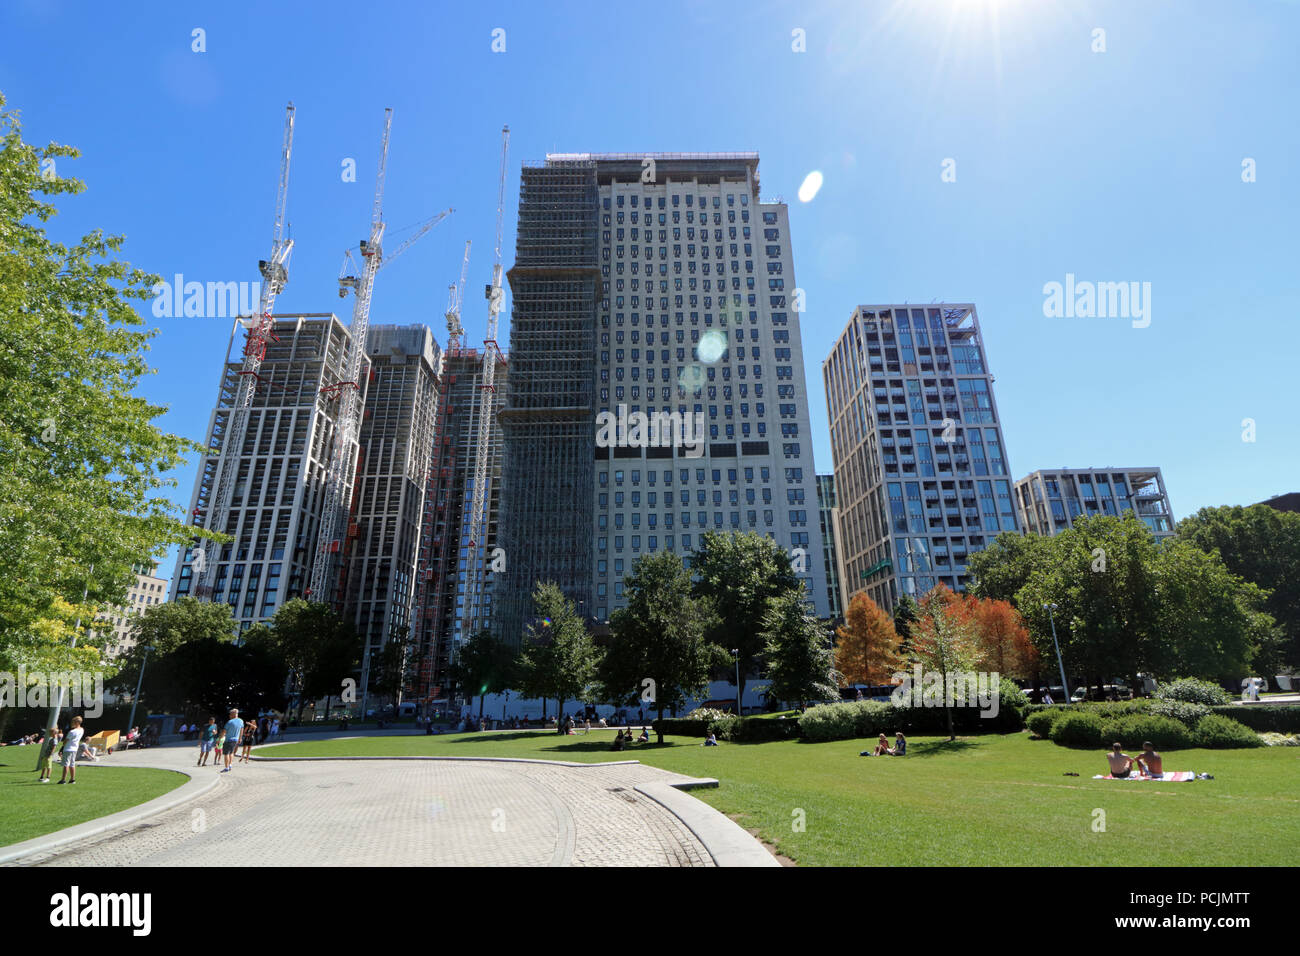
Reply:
x=418, y=812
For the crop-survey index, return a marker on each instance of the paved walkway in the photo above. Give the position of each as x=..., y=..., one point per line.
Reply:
x=414, y=812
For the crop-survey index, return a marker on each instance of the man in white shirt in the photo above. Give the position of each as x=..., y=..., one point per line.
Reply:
x=71, y=744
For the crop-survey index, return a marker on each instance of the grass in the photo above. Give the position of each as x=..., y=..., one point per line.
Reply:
x=29, y=809
x=989, y=800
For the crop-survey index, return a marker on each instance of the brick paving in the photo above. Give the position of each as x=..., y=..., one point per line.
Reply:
x=399, y=813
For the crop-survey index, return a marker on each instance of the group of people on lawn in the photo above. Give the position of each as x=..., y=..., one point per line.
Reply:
x=884, y=750
x=1148, y=762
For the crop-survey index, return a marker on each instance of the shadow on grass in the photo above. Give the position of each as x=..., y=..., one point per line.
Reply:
x=940, y=748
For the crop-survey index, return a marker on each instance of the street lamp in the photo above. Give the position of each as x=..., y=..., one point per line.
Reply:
x=735, y=652
x=1065, y=686
x=130, y=724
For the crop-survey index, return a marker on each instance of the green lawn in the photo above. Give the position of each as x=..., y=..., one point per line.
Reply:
x=29, y=809
x=991, y=800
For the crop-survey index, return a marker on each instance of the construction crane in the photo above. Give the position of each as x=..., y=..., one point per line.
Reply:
x=342, y=458
x=275, y=273
x=477, y=519
x=455, y=295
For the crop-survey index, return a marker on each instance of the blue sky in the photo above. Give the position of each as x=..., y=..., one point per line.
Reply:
x=1122, y=165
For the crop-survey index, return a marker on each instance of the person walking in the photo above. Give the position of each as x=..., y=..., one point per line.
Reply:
x=234, y=729
x=71, y=744
x=208, y=740
x=249, y=736
x=275, y=729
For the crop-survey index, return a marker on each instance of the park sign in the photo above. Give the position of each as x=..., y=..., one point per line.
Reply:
x=878, y=566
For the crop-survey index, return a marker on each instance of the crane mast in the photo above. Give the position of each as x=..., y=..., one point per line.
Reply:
x=456, y=295
x=275, y=273
x=487, y=386
x=342, y=457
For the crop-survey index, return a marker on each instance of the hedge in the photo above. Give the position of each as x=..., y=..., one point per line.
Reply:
x=1276, y=718
x=1216, y=732
x=1132, y=730
x=856, y=719
x=1040, y=723
x=736, y=729
x=1077, y=728
x=1192, y=691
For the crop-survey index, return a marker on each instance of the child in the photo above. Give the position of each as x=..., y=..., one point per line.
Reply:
x=48, y=750
x=71, y=744
x=221, y=743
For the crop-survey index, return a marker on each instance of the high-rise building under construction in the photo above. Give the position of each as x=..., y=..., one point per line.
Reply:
x=445, y=549
x=277, y=499
x=650, y=288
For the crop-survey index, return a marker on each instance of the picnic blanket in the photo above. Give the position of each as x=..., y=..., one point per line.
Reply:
x=1172, y=776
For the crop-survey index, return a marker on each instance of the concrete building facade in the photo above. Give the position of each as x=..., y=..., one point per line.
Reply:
x=652, y=285
x=1051, y=499
x=828, y=514
x=113, y=627
x=921, y=471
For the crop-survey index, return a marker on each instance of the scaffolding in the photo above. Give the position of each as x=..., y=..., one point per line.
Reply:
x=546, y=422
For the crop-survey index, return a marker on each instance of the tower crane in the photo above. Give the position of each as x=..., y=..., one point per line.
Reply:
x=455, y=295
x=275, y=274
x=477, y=523
x=342, y=457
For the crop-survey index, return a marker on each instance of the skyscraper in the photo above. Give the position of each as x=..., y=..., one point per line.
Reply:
x=828, y=514
x=652, y=287
x=444, y=548
x=921, y=469
x=275, y=507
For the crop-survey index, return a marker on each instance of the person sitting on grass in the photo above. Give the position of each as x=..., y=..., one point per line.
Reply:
x=900, y=745
x=711, y=740
x=1150, y=761
x=1121, y=764
x=619, y=742
x=645, y=736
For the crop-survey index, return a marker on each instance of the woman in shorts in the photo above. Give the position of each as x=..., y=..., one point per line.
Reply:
x=249, y=735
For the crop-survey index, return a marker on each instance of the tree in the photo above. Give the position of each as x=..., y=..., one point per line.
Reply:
x=659, y=638
x=906, y=614
x=1001, y=636
x=868, y=651
x=800, y=659
x=1005, y=565
x=738, y=573
x=165, y=629
x=558, y=658
x=388, y=670
x=1261, y=545
x=484, y=664
x=81, y=458
x=307, y=635
x=944, y=642
x=1209, y=622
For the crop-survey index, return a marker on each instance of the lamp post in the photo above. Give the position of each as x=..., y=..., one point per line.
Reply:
x=130, y=724
x=1065, y=686
x=735, y=652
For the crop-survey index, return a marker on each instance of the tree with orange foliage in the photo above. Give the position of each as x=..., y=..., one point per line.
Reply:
x=1000, y=635
x=866, y=651
x=944, y=640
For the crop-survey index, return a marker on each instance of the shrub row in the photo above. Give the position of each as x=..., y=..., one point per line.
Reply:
x=1084, y=728
x=1277, y=718
x=855, y=719
x=1189, y=690
x=736, y=729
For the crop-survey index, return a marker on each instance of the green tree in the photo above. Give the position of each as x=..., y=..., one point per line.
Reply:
x=166, y=628
x=81, y=457
x=310, y=638
x=484, y=666
x=798, y=651
x=658, y=653
x=738, y=573
x=558, y=658
x=999, y=570
x=388, y=670
x=1210, y=623
x=1261, y=545
x=906, y=616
